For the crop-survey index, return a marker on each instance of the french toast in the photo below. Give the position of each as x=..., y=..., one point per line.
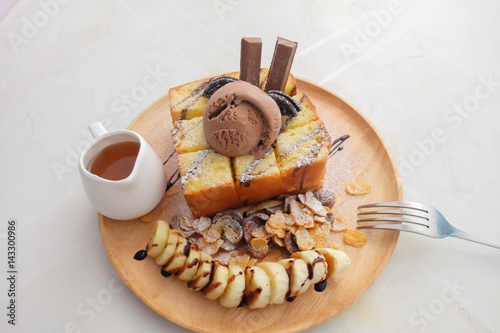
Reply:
x=207, y=182
x=295, y=163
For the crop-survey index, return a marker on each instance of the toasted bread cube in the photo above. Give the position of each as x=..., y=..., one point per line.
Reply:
x=187, y=101
x=302, y=154
x=189, y=136
x=257, y=179
x=306, y=115
x=207, y=182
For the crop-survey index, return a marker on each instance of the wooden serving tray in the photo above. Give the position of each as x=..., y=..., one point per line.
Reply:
x=365, y=157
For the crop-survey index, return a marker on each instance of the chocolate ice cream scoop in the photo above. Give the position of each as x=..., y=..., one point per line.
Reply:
x=240, y=119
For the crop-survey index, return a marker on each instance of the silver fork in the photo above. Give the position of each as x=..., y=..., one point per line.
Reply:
x=417, y=218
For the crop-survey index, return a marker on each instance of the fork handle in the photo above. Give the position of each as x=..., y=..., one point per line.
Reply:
x=463, y=235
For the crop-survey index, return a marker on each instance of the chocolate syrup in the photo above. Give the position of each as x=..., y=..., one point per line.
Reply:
x=165, y=273
x=195, y=92
x=173, y=179
x=169, y=157
x=192, y=264
x=310, y=270
x=243, y=302
x=320, y=286
x=310, y=267
x=289, y=272
x=141, y=254
x=291, y=299
x=187, y=249
x=211, y=278
x=336, y=145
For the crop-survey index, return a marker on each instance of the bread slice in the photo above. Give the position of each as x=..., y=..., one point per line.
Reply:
x=257, y=179
x=306, y=115
x=207, y=182
x=302, y=154
x=189, y=136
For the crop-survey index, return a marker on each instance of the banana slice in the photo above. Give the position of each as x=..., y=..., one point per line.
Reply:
x=257, y=287
x=202, y=276
x=337, y=261
x=158, y=238
x=279, y=281
x=190, y=267
x=219, y=281
x=298, y=275
x=233, y=295
x=316, y=264
x=180, y=255
x=169, y=250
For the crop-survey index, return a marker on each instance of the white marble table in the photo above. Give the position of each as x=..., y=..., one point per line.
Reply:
x=424, y=72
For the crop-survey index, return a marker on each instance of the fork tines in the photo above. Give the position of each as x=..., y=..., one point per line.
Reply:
x=404, y=212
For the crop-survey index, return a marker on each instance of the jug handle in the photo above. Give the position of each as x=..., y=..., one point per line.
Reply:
x=97, y=129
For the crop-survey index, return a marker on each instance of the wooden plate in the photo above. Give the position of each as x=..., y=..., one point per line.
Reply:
x=365, y=157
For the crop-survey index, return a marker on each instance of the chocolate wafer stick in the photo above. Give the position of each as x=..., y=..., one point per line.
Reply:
x=251, y=50
x=281, y=64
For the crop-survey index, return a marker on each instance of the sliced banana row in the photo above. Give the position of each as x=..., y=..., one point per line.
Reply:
x=257, y=286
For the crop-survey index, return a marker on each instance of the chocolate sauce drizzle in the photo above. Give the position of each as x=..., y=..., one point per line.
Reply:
x=320, y=286
x=175, y=176
x=141, y=254
x=337, y=145
x=169, y=157
x=164, y=273
x=173, y=179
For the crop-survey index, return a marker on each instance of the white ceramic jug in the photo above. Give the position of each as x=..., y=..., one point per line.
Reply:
x=133, y=196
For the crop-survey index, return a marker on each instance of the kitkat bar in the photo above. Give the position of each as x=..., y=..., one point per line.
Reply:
x=251, y=50
x=281, y=64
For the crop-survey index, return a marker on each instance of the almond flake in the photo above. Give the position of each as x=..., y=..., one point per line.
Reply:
x=314, y=204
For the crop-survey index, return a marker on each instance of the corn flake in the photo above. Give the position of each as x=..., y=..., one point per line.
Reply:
x=260, y=245
x=304, y=239
x=355, y=238
x=211, y=235
x=277, y=220
x=240, y=260
x=273, y=255
x=358, y=188
x=210, y=248
x=339, y=224
x=333, y=246
x=252, y=262
x=278, y=241
x=147, y=218
x=261, y=232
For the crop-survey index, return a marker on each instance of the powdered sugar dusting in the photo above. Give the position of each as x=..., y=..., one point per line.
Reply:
x=193, y=169
x=247, y=176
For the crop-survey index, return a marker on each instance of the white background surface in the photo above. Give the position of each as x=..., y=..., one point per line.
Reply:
x=407, y=74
